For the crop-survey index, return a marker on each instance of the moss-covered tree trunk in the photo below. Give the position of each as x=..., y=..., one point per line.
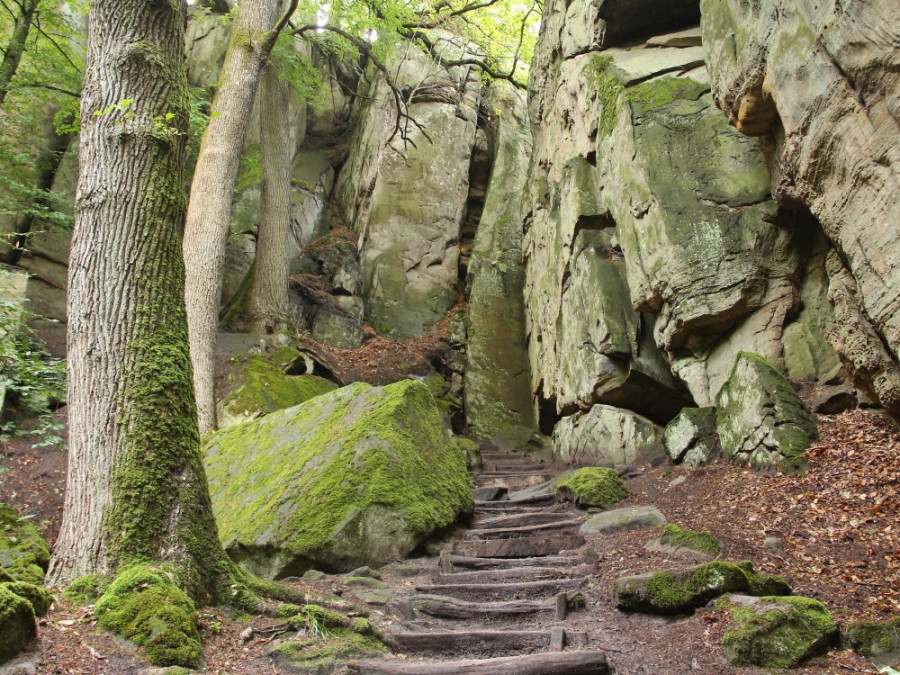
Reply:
x=136, y=486
x=209, y=209
x=15, y=48
x=269, y=294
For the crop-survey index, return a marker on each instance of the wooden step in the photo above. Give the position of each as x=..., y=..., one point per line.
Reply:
x=562, y=663
x=499, y=575
x=504, y=465
x=511, y=480
x=481, y=563
x=519, y=547
x=521, y=519
x=489, y=493
x=518, y=501
x=503, y=591
x=558, y=528
x=483, y=642
x=451, y=608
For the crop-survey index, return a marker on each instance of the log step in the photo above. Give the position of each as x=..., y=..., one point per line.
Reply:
x=482, y=563
x=517, y=501
x=489, y=493
x=521, y=519
x=503, y=591
x=520, y=547
x=560, y=527
x=568, y=663
x=511, y=465
x=486, y=642
x=452, y=608
x=529, y=573
x=512, y=480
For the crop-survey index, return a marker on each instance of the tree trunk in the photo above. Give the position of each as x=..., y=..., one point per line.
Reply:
x=269, y=295
x=209, y=208
x=136, y=485
x=16, y=46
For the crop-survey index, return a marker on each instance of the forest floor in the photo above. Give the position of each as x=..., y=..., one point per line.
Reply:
x=839, y=524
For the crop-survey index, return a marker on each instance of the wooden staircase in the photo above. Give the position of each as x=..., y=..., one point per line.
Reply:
x=503, y=592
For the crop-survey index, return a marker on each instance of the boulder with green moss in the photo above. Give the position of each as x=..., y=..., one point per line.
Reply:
x=17, y=624
x=776, y=632
x=38, y=597
x=691, y=437
x=761, y=420
x=675, y=540
x=877, y=640
x=592, y=486
x=359, y=476
x=259, y=386
x=683, y=591
x=23, y=552
x=144, y=605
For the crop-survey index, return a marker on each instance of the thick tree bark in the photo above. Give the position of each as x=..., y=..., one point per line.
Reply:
x=136, y=486
x=209, y=208
x=269, y=294
x=16, y=46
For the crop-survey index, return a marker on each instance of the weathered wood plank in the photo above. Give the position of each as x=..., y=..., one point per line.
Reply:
x=472, y=562
x=522, y=519
x=526, y=572
x=451, y=608
x=567, y=526
x=522, y=547
x=562, y=663
x=503, y=591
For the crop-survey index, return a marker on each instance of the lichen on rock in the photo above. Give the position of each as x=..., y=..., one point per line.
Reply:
x=359, y=476
x=592, y=486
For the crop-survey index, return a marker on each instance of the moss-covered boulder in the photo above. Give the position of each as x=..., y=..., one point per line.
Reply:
x=761, y=420
x=680, y=592
x=143, y=605
x=777, y=632
x=360, y=476
x=877, y=640
x=592, y=486
x=17, y=624
x=259, y=386
x=23, y=552
x=677, y=541
x=39, y=598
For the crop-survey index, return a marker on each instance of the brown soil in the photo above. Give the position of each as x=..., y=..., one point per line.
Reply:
x=838, y=524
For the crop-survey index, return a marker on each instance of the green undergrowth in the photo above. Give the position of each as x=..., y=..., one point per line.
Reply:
x=790, y=631
x=703, y=541
x=592, y=486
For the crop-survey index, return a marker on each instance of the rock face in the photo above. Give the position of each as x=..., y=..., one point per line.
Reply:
x=12, y=292
x=823, y=90
x=497, y=382
x=406, y=201
x=691, y=437
x=607, y=436
x=761, y=421
x=360, y=476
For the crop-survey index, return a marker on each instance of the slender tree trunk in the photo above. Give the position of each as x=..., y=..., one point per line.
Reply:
x=209, y=208
x=136, y=485
x=16, y=46
x=269, y=295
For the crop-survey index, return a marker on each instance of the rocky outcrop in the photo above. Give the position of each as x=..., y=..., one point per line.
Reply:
x=691, y=437
x=761, y=421
x=12, y=292
x=406, y=199
x=823, y=90
x=360, y=476
x=497, y=380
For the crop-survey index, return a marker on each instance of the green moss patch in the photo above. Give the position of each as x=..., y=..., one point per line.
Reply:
x=39, y=598
x=23, y=552
x=359, y=476
x=661, y=91
x=17, y=624
x=260, y=387
x=777, y=632
x=144, y=605
x=87, y=589
x=592, y=486
x=681, y=592
x=469, y=450
x=701, y=542
x=873, y=638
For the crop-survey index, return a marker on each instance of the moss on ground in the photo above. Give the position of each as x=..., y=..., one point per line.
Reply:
x=39, y=598
x=592, y=486
x=678, y=592
x=784, y=635
x=23, y=553
x=87, y=589
x=144, y=605
x=702, y=542
x=17, y=624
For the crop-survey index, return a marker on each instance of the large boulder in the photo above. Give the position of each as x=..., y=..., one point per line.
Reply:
x=607, y=436
x=761, y=420
x=823, y=90
x=691, y=437
x=360, y=476
x=24, y=555
x=17, y=624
